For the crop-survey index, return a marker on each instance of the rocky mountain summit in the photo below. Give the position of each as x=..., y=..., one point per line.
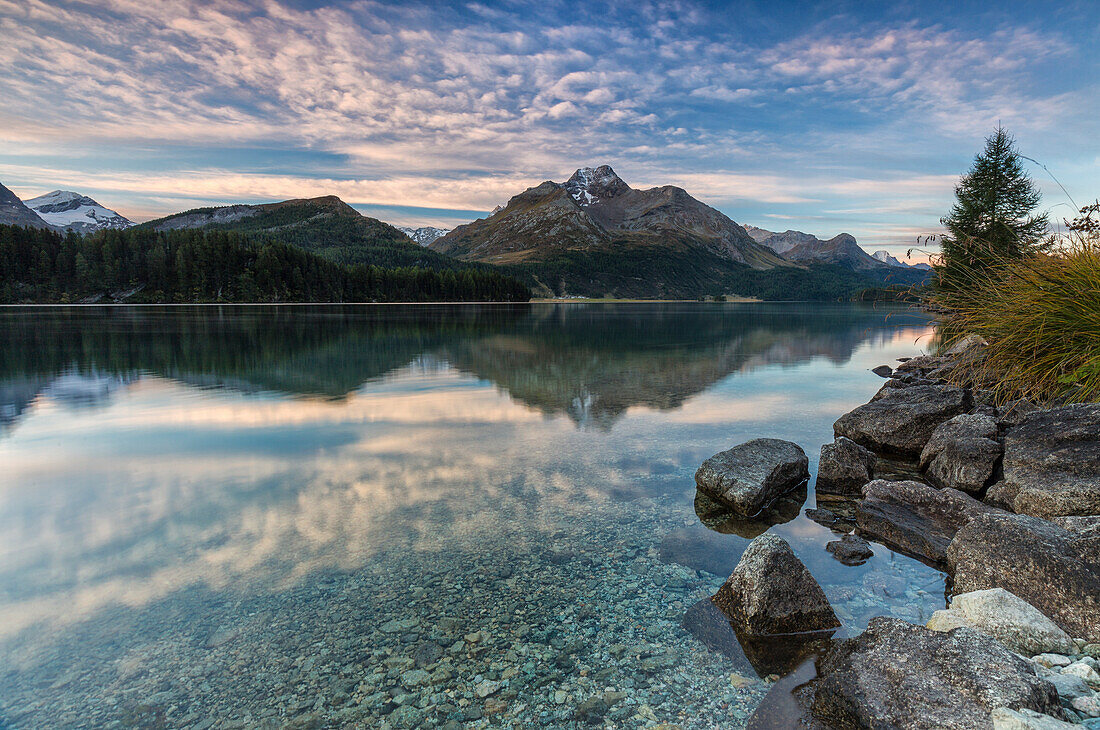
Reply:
x=884, y=256
x=75, y=212
x=425, y=234
x=596, y=210
x=14, y=212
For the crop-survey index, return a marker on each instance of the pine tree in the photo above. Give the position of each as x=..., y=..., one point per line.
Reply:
x=992, y=219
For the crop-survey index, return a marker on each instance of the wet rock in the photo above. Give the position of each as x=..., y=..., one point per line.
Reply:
x=764, y=655
x=754, y=474
x=844, y=468
x=1050, y=567
x=883, y=371
x=1052, y=460
x=898, y=675
x=837, y=522
x=962, y=453
x=851, y=550
x=916, y=518
x=921, y=362
x=1005, y=719
x=900, y=420
x=1009, y=619
x=720, y=518
x=771, y=592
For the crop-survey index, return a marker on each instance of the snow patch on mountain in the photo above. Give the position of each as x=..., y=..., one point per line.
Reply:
x=589, y=185
x=425, y=234
x=75, y=212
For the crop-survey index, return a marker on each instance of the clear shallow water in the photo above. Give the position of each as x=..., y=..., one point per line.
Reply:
x=354, y=516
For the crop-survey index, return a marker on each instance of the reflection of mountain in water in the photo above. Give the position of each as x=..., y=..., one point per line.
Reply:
x=591, y=362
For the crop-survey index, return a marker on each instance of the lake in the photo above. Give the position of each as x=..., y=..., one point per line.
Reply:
x=408, y=516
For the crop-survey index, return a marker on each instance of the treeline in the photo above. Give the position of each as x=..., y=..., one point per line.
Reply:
x=143, y=266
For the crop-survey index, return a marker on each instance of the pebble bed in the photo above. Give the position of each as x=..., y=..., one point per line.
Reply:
x=576, y=624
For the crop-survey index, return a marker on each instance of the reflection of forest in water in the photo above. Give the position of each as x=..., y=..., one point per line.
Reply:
x=590, y=361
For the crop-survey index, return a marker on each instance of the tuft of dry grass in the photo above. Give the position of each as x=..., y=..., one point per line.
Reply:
x=1040, y=316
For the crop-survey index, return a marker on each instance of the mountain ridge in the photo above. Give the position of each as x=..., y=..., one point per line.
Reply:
x=14, y=212
x=596, y=210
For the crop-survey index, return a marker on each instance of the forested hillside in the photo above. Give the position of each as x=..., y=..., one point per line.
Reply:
x=197, y=265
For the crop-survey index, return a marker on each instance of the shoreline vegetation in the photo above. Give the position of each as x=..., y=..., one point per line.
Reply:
x=1031, y=295
x=212, y=266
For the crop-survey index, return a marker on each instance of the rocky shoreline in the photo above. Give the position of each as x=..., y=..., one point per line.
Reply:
x=1003, y=497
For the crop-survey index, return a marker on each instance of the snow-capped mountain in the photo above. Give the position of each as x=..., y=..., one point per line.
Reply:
x=425, y=234
x=75, y=212
x=884, y=256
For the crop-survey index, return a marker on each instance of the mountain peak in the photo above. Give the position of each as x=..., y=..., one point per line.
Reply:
x=590, y=185
x=76, y=212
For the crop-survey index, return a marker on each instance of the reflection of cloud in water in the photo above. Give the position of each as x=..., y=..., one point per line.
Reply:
x=136, y=529
x=163, y=485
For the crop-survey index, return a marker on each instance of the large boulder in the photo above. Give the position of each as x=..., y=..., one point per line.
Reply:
x=1009, y=619
x=751, y=476
x=844, y=468
x=900, y=419
x=897, y=675
x=771, y=592
x=962, y=453
x=1052, y=568
x=1052, y=462
x=916, y=518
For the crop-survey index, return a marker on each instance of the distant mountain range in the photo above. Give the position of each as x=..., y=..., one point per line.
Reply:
x=841, y=250
x=424, y=235
x=590, y=236
x=884, y=256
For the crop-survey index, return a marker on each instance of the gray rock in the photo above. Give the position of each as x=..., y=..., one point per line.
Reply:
x=916, y=518
x=1053, y=569
x=883, y=371
x=921, y=362
x=750, y=476
x=900, y=419
x=962, y=453
x=966, y=346
x=844, y=468
x=1052, y=459
x=771, y=592
x=1012, y=621
x=1069, y=686
x=1006, y=719
x=850, y=550
x=897, y=675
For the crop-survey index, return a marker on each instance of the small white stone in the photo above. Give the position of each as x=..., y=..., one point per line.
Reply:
x=1084, y=671
x=486, y=688
x=1006, y=719
x=1051, y=660
x=1087, y=706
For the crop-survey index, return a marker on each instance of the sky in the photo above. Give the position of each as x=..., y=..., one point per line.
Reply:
x=841, y=116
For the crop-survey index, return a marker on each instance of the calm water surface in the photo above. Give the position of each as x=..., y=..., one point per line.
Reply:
x=394, y=516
